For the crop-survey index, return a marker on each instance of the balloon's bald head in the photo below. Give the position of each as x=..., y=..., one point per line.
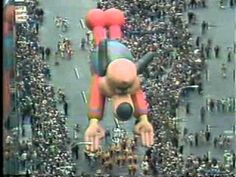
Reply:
x=121, y=73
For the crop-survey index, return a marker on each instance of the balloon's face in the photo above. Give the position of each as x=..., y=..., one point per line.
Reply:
x=122, y=76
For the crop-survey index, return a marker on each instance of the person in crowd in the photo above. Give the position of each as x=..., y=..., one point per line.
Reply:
x=42, y=50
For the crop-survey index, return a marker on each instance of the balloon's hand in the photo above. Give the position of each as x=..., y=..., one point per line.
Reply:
x=94, y=133
x=145, y=129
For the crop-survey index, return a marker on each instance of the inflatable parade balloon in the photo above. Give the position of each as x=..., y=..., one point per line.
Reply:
x=115, y=76
x=8, y=56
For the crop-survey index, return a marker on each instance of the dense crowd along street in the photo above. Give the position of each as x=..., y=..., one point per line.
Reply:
x=190, y=88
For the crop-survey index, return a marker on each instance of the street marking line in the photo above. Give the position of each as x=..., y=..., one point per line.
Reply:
x=84, y=97
x=77, y=73
x=82, y=23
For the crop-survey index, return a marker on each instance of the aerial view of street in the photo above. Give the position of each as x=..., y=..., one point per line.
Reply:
x=119, y=88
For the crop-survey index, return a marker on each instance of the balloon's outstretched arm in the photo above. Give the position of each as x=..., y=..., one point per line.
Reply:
x=140, y=103
x=143, y=128
x=96, y=100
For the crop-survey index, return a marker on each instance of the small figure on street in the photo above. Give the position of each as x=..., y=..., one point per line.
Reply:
x=200, y=89
x=69, y=53
x=203, y=3
x=181, y=149
x=193, y=4
x=202, y=114
x=65, y=107
x=75, y=151
x=208, y=51
x=190, y=17
x=23, y=160
x=196, y=139
x=99, y=5
x=185, y=131
x=41, y=14
x=145, y=166
x=107, y=134
x=175, y=141
x=130, y=170
x=234, y=75
x=234, y=47
x=209, y=43
x=56, y=58
x=191, y=139
x=223, y=70
x=221, y=4
x=234, y=160
x=47, y=52
x=42, y=51
x=215, y=141
x=77, y=128
x=198, y=41
x=217, y=50
x=231, y=3
x=88, y=35
x=202, y=51
x=134, y=169
x=37, y=28
x=83, y=42
x=207, y=133
x=212, y=105
x=187, y=108
x=204, y=27
x=229, y=56
x=23, y=131
x=27, y=174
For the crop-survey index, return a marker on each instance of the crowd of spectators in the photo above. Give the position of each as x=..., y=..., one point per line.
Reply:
x=47, y=154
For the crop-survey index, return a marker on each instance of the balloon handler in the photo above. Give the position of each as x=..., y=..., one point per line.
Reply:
x=114, y=76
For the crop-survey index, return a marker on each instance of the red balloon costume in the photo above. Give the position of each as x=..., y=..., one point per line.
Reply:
x=122, y=72
x=114, y=74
